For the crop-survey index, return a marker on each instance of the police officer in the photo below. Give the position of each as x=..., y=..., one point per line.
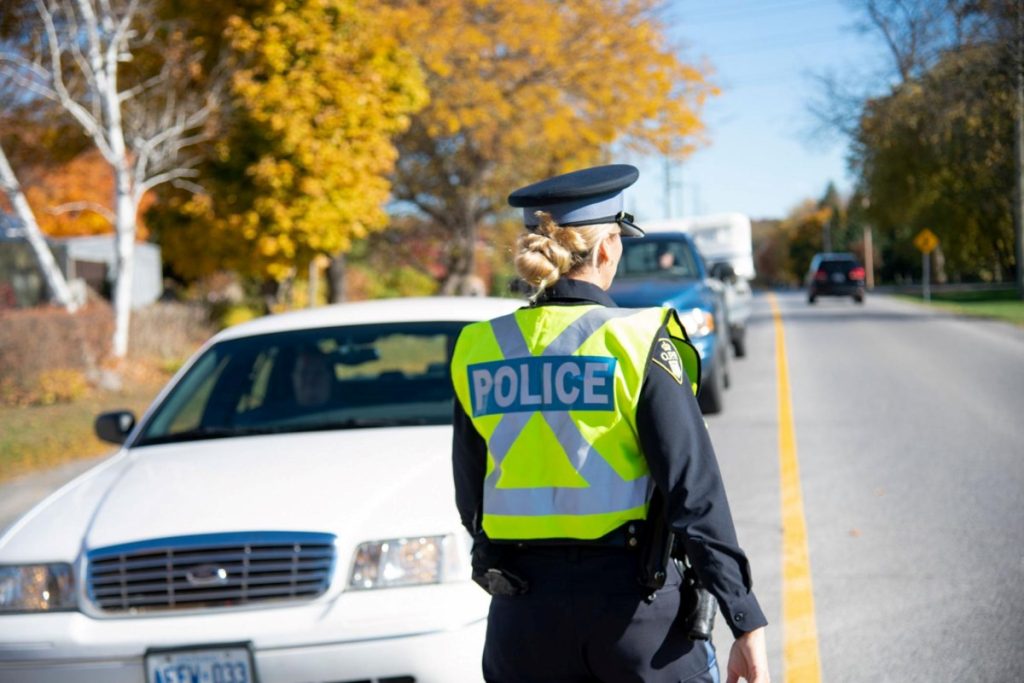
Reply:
x=570, y=414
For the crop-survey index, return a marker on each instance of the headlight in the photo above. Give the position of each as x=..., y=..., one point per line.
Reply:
x=697, y=322
x=36, y=588
x=404, y=562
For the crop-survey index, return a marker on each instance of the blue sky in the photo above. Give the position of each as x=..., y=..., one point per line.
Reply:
x=763, y=157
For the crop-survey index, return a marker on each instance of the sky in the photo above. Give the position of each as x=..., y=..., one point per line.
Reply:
x=763, y=156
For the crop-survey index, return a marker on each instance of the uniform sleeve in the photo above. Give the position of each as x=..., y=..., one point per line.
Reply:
x=469, y=466
x=683, y=465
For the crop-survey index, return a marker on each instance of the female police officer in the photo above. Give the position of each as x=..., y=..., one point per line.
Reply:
x=571, y=413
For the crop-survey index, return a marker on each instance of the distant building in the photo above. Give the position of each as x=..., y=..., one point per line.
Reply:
x=89, y=259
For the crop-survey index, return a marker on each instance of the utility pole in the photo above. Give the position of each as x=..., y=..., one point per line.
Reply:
x=869, y=257
x=1018, y=130
x=668, y=188
x=869, y=247
x=670, y=185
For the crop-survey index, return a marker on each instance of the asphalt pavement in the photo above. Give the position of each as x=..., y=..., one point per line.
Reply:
x=910, y=439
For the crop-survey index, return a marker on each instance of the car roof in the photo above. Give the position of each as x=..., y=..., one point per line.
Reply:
x=835, y=256
x=406, y=309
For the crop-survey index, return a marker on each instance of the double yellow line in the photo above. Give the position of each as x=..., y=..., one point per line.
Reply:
x=801, y=661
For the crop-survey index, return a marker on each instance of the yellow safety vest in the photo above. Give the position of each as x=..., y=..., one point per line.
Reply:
x=554, y=390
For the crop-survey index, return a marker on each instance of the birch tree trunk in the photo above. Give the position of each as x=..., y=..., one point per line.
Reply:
x=103, y=57
x=141, y=130
x=55, y=281
x=124, y=264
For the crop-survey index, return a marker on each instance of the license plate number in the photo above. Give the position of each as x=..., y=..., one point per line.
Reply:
x=213, y=665
x=838, y=277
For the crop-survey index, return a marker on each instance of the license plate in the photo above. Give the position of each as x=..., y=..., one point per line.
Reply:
x=200, y=665
x=838, y=277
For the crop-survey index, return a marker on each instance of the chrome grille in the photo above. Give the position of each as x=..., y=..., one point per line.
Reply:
x=210, y=571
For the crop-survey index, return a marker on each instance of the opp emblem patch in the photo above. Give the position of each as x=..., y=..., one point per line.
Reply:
x=666, y=357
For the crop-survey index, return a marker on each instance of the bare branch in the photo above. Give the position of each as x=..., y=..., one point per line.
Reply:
x=146, y=85
x=188, y=186
x=175, y=174
x=125, y=23
x=55, y=76
x=84, y=206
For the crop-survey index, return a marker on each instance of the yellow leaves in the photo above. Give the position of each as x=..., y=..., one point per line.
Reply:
x=320, y=89
x=516, y=77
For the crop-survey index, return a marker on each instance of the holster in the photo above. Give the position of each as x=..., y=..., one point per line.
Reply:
x=697, y=605
x=659, y=547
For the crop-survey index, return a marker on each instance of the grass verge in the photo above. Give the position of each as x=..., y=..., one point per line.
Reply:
x=40, y=437
x=1002, y=305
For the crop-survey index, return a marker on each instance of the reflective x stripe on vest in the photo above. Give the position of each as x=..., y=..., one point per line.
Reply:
x=523, y=384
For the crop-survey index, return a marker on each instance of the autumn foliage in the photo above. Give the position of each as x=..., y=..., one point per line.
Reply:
x=522, y=90
x=320, y=88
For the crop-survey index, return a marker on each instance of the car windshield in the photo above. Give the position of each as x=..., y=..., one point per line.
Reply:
x=654, y=257
x=310, y=380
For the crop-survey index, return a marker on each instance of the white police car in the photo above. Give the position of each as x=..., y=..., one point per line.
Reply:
x=282, y=513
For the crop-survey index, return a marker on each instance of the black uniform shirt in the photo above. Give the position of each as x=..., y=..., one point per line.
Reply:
x=677, y=447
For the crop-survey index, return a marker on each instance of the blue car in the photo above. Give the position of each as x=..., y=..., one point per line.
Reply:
x=665, y=269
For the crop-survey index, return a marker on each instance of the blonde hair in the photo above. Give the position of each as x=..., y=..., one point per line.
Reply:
x=550, y=251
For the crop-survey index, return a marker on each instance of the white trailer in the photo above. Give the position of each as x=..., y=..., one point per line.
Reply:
x=726, y=243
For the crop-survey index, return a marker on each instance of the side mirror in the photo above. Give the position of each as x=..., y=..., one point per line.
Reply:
x=724, y=272
x=114, y=426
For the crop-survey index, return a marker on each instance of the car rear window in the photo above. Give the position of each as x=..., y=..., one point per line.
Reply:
x=657, y=257
x=837, y=266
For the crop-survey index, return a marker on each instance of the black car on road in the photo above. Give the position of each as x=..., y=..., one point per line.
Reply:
x=835, y=274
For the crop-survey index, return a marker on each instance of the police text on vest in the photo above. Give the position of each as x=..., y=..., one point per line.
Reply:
x=542, y=383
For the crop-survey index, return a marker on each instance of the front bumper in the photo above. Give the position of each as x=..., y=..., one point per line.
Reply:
x=424, y=634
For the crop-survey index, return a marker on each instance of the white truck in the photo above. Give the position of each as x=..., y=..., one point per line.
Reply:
x=725, y=242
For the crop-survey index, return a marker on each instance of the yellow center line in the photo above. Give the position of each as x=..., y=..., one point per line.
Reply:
x=801, y=662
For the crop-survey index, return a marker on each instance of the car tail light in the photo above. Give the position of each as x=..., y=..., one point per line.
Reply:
x=857, y=273
x=820, y=276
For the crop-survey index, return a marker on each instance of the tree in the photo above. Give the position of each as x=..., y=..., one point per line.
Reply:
x=804, y=227
x=55, y=281
x=318, y=90
x=77, y=54
x=834, y=237
x=937, y=154
x=522, y=90
x=933, y=136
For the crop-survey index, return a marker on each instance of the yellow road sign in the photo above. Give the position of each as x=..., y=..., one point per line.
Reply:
x=926, y=241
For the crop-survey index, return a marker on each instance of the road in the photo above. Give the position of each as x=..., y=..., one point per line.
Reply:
x=909, y=435
x=909, y=432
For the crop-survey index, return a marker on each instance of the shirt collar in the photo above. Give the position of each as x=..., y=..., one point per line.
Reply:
x=570, y=291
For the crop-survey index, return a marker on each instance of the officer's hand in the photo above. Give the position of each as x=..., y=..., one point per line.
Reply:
x=483, y=558
x=748, y=659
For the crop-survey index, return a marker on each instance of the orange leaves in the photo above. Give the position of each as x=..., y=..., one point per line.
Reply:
x=520, y=78
x=74, y=198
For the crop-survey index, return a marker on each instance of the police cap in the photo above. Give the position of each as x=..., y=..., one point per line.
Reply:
x=590, y=196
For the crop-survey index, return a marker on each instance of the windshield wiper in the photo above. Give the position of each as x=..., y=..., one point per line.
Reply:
x=201, y=433
x=367, y=422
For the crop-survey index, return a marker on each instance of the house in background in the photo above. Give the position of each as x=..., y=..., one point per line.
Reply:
x=89, y=260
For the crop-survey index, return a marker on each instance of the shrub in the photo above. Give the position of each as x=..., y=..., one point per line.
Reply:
x=60, y=385
x=169, y=331
x=47, y=340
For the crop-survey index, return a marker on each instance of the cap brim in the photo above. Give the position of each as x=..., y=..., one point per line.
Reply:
x=630, y=229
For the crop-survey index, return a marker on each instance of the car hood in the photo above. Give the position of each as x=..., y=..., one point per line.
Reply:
x=656, y=292
x=343, y=482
